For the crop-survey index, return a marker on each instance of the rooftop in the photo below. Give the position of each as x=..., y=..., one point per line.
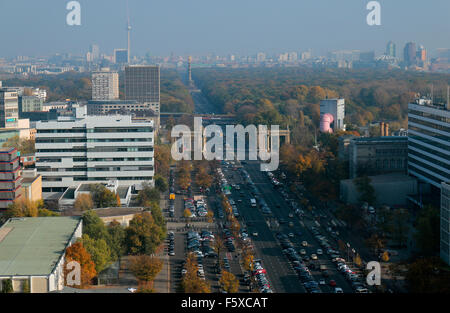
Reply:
x=33, y=245
x=382, y=139
x=118, y=211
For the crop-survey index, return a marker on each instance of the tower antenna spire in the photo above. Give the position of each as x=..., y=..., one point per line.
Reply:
x=128, y=32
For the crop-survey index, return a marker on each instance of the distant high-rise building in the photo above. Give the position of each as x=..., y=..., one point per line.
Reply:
x=336, y=108
x=95, y=52
x=9, y=109
x=142, y=83
x=445, y=223
x=105, y=85
x=367, y=56
x=260, y=57
x=429, y=142
x=391, y=49
x=292, y=56
x=120, y=56
x=421, y=55
x=409, y=54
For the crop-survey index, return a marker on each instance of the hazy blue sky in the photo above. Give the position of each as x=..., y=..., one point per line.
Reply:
x=38, y=27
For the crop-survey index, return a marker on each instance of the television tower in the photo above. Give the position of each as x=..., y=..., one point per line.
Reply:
x=129, y=33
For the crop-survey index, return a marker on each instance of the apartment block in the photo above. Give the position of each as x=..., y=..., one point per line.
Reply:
x=10, y=179
x=105, y=85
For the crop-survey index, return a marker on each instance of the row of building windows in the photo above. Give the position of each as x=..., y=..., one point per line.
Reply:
x=430, y=116
x=97, y=149
x=390, y=151
x=96, y=130
x=413, y=162
x=95, y=169
x=429, y=124
x=431, y=151
x=424, y=174
x=432, y=134
x=429, y=159
x=78, y=140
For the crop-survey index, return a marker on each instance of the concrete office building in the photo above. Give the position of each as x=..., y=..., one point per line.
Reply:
x=377, y=155
x=445, y=222
x=94, y=149
x=142, y=83
x=105, y=85
x=9, y=109
x=30, y=104
x=32, y=251
x=335, y=107
x=429, y=142
x=102, y=107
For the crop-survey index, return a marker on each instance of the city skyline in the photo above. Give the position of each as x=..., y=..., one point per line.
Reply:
x=179, y=27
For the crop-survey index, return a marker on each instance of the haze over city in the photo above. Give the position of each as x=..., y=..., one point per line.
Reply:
x=222, y=27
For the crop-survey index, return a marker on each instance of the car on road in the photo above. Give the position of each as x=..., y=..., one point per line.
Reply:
x=338, y=290
x=332, y=283
x=319, y=251
x=322, y=282
x=255, y=234
x=291, y=224
x=302, y=251
x=291, y=215
x=291, y=235
x=314, y=256
x=304, y=243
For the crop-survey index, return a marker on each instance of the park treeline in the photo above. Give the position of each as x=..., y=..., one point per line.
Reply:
x=270, y=95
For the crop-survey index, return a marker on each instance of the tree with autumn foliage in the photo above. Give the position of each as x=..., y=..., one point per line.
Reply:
x=229, y=282
x=144, y=235
x=78, y=253
x=191, y=283
x=145, y=268
x=203, y=179
x=83, y=202
x=183, y=174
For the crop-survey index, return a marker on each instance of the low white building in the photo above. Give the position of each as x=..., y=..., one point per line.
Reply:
x=32, y=250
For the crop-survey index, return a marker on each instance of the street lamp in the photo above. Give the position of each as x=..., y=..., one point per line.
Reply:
x=348, y=251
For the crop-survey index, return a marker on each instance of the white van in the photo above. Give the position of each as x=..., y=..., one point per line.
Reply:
x=253, y=202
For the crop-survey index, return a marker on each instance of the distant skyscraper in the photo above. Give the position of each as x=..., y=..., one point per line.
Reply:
x=95, y=52
x=421, y=54
x=142, y=83
x=409, y=53
x=391, y=49
x=260, y=57
x=120, y=56
x=105, y=85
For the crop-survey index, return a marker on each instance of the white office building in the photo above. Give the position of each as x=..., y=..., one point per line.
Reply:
x=105, y=85
x=445, y=223
x=335, y=107
x=94, y=149
x=429, y=142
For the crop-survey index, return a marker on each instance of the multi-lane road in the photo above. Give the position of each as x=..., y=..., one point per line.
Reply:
x=281, y=275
